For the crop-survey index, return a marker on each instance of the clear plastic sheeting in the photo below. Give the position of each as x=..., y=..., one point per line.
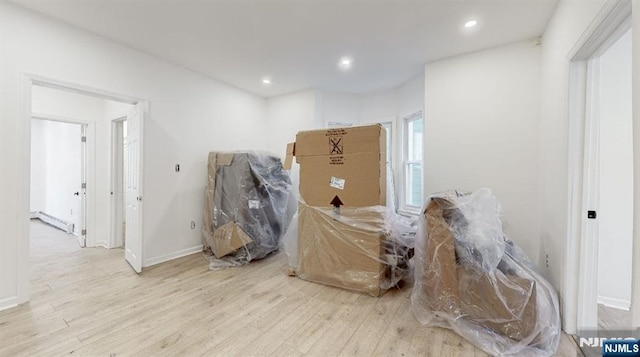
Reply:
x=366, y=249
x=471, y=278
x=245, y=207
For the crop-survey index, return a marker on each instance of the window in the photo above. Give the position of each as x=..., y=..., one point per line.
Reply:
x=412, y=162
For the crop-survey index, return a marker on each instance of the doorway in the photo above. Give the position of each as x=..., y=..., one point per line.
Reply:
x=599, y=256
x=58, y=174
x=98, y=218
x=615, y=184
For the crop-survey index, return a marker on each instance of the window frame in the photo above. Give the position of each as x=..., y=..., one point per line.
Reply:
x=388, y=125
x=404, y=206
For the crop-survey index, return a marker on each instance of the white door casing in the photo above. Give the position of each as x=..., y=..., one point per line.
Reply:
x=27, y=81
x=579, y=286
x=82, y=237
x=133, y=188
x=588, y=293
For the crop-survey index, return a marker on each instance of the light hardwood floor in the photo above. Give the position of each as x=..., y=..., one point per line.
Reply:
x=88, y=302
x=610, y=319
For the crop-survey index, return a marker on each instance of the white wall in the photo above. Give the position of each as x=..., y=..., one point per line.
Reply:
x=189, y=115
x=291, y=113
x=339, y=107
x=379, y=106
x=65, y=104
x=56, y=170
x=38, y=196
x=390, y=104
x=481, y=125
x=116, y=110
x=615, y=212
x=410, y=96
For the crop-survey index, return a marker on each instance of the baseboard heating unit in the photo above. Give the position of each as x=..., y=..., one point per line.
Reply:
x=56, y=222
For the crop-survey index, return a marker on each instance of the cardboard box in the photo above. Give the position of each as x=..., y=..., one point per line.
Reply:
x=348, y=162
x=345, y=250
x=228, y=238
x=505, y=305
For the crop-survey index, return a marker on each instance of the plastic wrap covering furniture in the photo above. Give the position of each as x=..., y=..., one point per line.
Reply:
x=366, y=249
x=470, y=278
x=245, y=206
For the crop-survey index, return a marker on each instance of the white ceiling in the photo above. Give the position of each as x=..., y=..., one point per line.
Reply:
x=298, y=43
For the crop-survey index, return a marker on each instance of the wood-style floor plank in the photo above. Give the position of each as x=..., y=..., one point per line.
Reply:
x=89, y=302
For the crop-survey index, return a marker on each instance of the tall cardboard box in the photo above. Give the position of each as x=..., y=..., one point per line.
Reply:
x=347, y=162
x=345, y=247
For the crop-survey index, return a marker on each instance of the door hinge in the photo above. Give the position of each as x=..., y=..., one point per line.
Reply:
x=84, y=232
x=84, y=185
x=83, y=139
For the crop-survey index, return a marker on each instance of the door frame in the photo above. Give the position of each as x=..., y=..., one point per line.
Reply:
x=581, y=250
x=87, y=170
x=26, y=81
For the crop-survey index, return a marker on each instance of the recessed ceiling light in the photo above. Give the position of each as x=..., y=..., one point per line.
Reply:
x=266, y=81
x=470, y=23
x=345, y=62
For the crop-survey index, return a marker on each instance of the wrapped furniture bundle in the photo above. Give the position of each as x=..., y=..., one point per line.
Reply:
x=469, y=277
x=365, y=249
x=344, y=235
x=245, y=206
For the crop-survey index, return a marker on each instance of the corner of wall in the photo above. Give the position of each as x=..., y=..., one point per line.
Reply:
x=318, y=105
x=8, y=303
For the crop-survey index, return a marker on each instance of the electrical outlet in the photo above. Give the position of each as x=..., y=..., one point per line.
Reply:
x=546, y=257
x=193, y=224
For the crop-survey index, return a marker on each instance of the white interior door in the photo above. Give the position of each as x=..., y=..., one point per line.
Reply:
x=133, y=188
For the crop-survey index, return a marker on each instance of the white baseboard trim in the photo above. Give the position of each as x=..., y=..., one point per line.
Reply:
x=56, y=222
x=175, y=255
x=33, y=214
x=102, y=244
x=615, y=303
x=8, y=303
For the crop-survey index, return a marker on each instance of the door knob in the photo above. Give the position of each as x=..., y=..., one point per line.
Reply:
x=76, y=193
